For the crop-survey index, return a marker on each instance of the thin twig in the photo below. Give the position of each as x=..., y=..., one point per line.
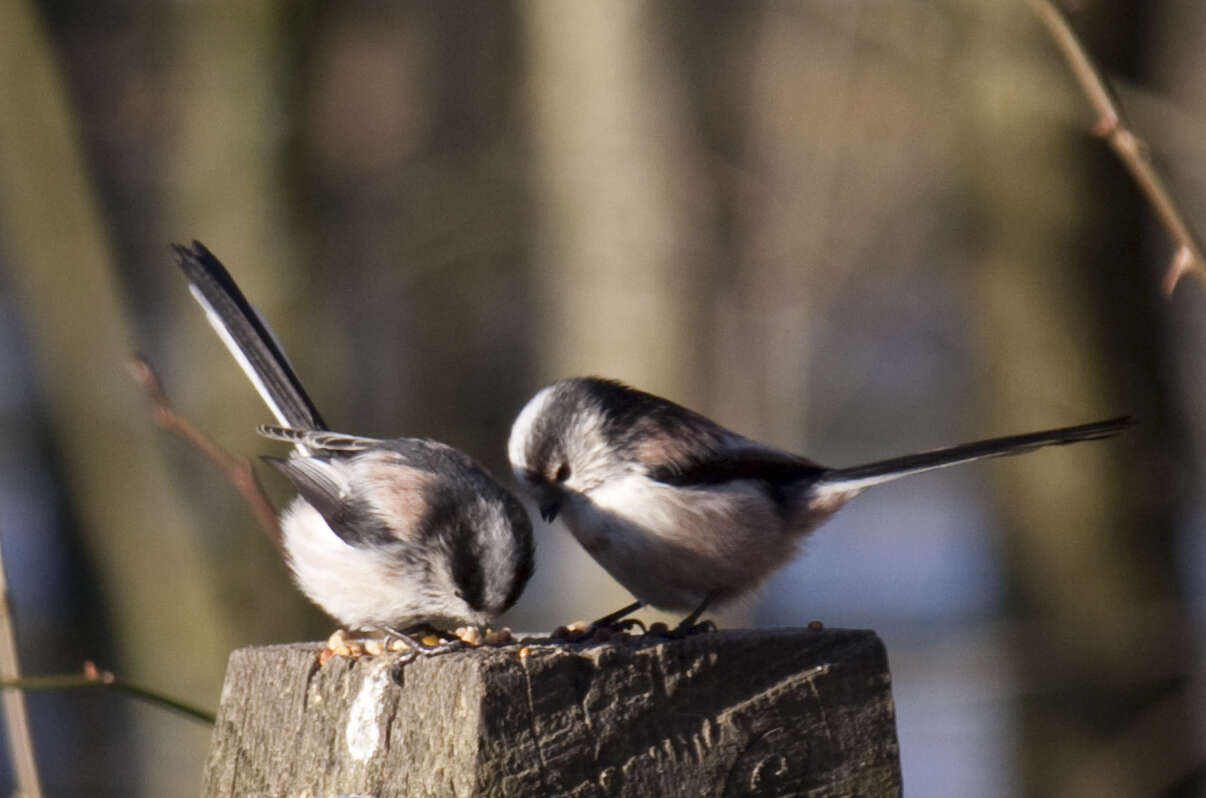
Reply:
x=236, y=470
x=94, y=677
x=16, y=716
x=1131, y=150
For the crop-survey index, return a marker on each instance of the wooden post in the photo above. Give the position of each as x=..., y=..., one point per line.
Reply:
x=741, y=712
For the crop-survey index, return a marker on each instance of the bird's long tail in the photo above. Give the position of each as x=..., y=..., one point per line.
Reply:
x=248, y=338
x=842, y=480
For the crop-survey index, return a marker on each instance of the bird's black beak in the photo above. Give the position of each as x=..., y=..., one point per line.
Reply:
x=549, y=510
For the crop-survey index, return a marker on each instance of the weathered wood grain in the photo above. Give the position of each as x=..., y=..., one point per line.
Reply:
x=742, y=712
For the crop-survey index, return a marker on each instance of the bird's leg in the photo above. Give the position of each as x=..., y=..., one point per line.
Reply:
x=688, y=624
x=425, y=649
x=616, y=620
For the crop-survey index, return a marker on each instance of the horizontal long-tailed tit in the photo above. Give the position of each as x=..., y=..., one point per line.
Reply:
x=384, y=534
x=683, y=512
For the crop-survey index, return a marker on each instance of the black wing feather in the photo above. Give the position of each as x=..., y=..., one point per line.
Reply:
x=350, y=517
x=706, y=465
x=680, y=447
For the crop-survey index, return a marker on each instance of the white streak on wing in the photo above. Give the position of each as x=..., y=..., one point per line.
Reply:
x=215, y=321
x=219, y=326
x=363, y=733
x=854, y=486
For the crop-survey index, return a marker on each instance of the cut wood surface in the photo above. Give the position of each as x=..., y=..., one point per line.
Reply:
x=739, y=712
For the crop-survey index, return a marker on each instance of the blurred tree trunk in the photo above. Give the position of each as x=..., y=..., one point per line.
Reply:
x=1067, y=326
x=409, y=164
x=1175, y=64
x=619, y=210
x=827, y=199
x=614, y=195
x=165, y=618
x=364, y=112
x=784, y=270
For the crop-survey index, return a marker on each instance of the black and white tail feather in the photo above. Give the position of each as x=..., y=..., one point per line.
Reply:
x=384, y=533
x=857, y=478
x=248, y=338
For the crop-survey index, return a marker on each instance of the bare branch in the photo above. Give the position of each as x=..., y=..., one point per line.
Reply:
x=16, y=717
x=91, y=676
x=1131, y=150
x=237, y=471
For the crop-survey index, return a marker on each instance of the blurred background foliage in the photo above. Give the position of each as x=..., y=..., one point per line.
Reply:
x=853, y=228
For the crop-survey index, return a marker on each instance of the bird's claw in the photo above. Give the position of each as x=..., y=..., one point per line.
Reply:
x=428, y=645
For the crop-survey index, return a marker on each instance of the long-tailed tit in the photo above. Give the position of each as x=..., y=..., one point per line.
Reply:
x=681, y=511
x=384, y=534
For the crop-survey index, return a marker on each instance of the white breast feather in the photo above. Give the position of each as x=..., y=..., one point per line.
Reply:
x=362, y=587
x=670, y=546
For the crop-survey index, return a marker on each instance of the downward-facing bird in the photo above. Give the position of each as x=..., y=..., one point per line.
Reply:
x=684, y=513
x=384, y=534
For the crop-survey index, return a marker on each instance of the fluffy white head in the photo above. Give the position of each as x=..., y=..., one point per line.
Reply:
x=522, y=430
x=560, y=443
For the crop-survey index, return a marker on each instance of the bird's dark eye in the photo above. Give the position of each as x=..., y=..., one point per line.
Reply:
x=563, y=472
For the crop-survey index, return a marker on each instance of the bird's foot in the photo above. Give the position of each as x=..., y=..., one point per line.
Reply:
x=684, y=629
x=580, y=631
x=421, y=642
x=688, y=628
